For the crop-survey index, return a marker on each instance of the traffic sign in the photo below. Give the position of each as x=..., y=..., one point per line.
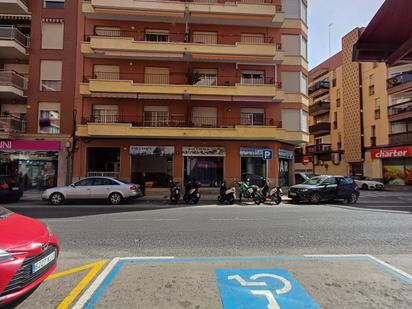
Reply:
x=267, y=154
x=306, y=160
x=262, y=288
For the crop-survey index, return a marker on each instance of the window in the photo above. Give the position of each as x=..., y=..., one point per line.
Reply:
x=339, y=141
x=107, y=31
x=202, y=37
x=49, y=118
x=303, y=12
x=108, y=72
x=398, y=127
x=52, y=35
x=51, y=75
x=290, y=44
x=156, y=35
x=338, y=98
x=329, y=181
x=373, y=136
x=84, y=182
x=53, y=4
x=252, y=116
x=291, y=119
x=156, y=116
x=252, y=38
x=105, y=113
x=304, y=118
x=371, y=79
x=104, y=182
x=291, y=82
x=335, y=120
x=253, y=77
x=371, y=90
x=205, y=77
x=303, y=84
x=204, y=116
x=154, y=75
x=377, y=108
x=292, y=8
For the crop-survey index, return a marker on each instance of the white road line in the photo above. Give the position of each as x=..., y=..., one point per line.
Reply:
x=148, y=220
x=237, y=219
x=62, y=220
x=95, y=285
x=403, y=273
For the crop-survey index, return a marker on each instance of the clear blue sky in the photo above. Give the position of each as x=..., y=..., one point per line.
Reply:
x=344, y=15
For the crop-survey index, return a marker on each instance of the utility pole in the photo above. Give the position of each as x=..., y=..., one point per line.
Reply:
x=330, y=46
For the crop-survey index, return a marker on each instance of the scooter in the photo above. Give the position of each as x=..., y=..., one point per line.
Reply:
x=274, y=194
x=174, y=192
x=250, y=192
x=226, y=195
x=192, y=194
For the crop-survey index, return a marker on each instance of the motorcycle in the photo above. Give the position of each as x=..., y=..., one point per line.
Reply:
x=174, y=192
x=226, y=195
x=192, y=194
x=274, y=194
x=250, y=192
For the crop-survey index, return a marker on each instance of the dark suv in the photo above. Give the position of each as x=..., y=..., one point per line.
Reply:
x=10, y=190
x=325, y=188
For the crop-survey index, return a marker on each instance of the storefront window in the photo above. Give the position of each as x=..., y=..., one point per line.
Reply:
x=397, y=171
x=103, y=161
x=207, y=170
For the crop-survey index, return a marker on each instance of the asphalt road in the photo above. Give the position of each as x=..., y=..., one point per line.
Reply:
x=379, y=225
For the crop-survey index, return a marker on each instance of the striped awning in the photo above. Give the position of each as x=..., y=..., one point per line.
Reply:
x=15, y=17
x=53, y=20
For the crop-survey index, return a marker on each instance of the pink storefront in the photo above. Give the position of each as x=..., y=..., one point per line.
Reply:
x=33, y=162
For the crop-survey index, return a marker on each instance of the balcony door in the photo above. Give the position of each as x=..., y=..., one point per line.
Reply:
x=201, y=37
x=252, y=116
x=204, y=116
x=107, y=72
x=252, y=38
x=156, y=35
x=253, y=77
x=206, y=77
x=156, y=116
x=155, y=75
x=106, y=113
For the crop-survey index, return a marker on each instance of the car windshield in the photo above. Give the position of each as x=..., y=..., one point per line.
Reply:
x=314, y=181
x=4, y=212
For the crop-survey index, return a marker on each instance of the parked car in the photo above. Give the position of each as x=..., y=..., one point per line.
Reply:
x=28, y=255
x=10, y=190
x=114, y=190
x=366, y=183
x=325, y=188
x=300, y=177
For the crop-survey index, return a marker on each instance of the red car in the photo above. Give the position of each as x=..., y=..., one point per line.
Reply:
x=28, y=255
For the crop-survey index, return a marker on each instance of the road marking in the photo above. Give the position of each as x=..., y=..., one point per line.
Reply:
x=94, y=269
x=146, y=220
x=63, y=220
x=237, y=219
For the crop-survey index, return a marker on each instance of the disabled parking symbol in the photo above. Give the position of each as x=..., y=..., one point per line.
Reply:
x=262, y=289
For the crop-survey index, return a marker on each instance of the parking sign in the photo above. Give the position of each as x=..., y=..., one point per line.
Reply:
x=267, y=154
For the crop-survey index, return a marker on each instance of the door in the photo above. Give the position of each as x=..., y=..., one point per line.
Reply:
x=102, y=188
x=81, y=189
x=330, y=189
x=345, y=187
x=204, y=116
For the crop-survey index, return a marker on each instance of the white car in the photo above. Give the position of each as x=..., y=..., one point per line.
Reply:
x=115, y=191
x=368, y=184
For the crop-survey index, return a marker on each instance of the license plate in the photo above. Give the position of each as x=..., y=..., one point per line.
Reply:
x=15, y=188
x=292, y=193
x=43, y=262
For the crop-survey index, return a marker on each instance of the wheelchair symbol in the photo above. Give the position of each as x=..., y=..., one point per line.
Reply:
x=272, y=303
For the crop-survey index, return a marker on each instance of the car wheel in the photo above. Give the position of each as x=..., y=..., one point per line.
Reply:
x=365, y=187
x=315, y=198
x=115, y=198
x=56, y=198
x=352, y=199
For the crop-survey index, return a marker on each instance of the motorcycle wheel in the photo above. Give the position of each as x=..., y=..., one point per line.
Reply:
x=231, y=199
x=277, y=199
x=186, y=199
x=220, y=199
x=257, y=199
x=196, y=200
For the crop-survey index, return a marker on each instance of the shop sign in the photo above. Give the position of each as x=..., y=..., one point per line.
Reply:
x=253, y=152
x=391, y=153
x=29, y=145
x=152, y=150
x=204, y=151
x=285, y=154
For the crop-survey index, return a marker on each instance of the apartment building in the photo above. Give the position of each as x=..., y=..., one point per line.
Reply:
x=37, y=82
x=387, y=39
x=203, y=90
x=348, y=114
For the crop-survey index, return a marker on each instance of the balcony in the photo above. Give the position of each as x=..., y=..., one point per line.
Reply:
x=321, y=128
x=180, y=86
x=9, y=125
x=188, y=128
x=319, y=149
x=13, y=43
x=14, y=7
x=319, y=88
x=399, y=82
x=263, y=13
x=319, y=108
x=400, y=111
x=220, y=48
x=400, y=139
x=12, y=85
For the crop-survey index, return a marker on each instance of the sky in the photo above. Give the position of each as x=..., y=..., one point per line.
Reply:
x=344, y=15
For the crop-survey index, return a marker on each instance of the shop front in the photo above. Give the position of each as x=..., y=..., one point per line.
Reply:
x=204, y=164
x=33, y=163
x=253, y=164
x=285, y=167
x=396, y=164
x=152, y=166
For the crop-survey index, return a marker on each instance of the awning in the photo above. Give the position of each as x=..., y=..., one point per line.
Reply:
x=15, y=17
x=388, y=37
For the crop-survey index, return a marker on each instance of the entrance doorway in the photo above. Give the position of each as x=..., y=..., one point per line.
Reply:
x=103, y=161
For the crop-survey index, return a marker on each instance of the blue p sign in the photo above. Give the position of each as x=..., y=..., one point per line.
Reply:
x=267, y=154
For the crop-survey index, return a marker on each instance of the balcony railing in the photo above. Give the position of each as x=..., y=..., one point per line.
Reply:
x=400, y=79
x=12, y=78
x=180, y=121
x=11, y=124
x=400, y=138
x=320, y=107
x=12, y=33
x=182, y=79
x=104, y=174
x=401, y=108
x=181, y=37
x=256, y=2
x=320, y=128
x=321, y=85
x=319, y=148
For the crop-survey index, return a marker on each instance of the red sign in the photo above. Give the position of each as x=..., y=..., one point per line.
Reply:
x=30, y=145
x=306, y=160
x=391, y=153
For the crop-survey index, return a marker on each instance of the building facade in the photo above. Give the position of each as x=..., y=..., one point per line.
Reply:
x=209, y=91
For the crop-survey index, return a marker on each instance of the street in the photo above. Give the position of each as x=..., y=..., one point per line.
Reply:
x=379, y=225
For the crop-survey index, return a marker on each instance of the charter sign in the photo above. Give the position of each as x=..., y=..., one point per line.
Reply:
x=391, y=153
